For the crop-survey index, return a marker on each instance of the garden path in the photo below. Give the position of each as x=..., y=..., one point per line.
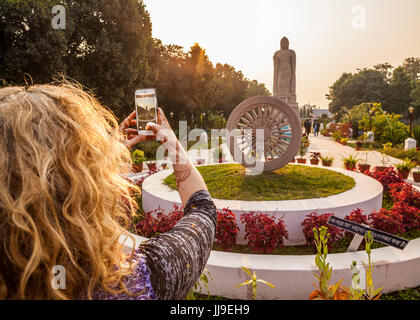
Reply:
x=327, y=146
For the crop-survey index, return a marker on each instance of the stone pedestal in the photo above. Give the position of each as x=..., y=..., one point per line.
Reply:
x=291, y=102
x=409, y=144
x=370, y=137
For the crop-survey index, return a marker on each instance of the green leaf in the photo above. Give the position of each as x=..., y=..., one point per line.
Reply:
x=267, y=283
x=247, y=271
x=244, y=284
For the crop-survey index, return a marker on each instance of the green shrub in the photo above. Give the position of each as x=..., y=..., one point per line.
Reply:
x=387, y=127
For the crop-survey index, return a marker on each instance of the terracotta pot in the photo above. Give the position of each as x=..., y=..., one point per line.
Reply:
x=164, y=166
x=314, y=162
x=359, y=145
x=138, y=167
x=349, y=167
x=380, y=168
x=364, y=167
x=301, y=160
x=293, y=161
x=404, y=173
x=151, y=166
x=220, y=160
x=416, y=176
x=326, y=164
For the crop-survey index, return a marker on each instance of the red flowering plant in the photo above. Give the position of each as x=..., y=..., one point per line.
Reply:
x=405, y=193
x=386, y=177
x=410, y=215
x=262, y=232
x=315, y=220
x=156, y=221
x=358, y=217
x=227, y=229
x=390, y=221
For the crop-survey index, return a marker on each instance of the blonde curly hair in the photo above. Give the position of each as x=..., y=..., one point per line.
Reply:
x=63, y=199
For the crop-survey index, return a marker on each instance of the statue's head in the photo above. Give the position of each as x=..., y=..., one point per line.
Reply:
x=284, y=43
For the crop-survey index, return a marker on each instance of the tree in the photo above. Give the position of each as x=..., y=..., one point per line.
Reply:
x=108, y=47
x=412, y=67
x=398, y=94
x=105, y=46
x=28, y=42
x=385, y=69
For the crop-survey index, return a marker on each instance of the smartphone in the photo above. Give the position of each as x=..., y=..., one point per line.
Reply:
x=146, y=110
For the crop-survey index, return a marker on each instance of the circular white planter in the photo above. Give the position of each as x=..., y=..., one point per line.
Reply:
x=293, y=275
x=366, y=195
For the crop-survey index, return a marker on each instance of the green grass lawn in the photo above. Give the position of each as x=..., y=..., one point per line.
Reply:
x=229, y=181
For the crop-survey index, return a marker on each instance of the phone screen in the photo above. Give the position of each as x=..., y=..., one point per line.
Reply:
x=145, y=107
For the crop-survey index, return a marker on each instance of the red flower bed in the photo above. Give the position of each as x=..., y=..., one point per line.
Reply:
x=227, y=229
x=390, y=221
x=409, y=214
x=262, y=232
x=315, y=220
x=358, y=217
x=405, y=193
x=156, y=221
x=386, y=177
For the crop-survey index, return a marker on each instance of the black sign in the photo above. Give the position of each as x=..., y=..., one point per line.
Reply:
x=379, y=236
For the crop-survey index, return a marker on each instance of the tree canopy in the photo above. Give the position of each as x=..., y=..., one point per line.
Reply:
x=394, y=88
x=108, y=47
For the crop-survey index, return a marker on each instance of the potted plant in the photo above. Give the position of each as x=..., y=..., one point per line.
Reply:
x=405, y=167
x=416, y=175
x=151, y=166
x=343, y=141
x=164, y=165
x=385, y=158
x=364, y=166
x=303, y=149
x=327, y=161
x=360, y=142
x=337, y=135
x=350, y=162
x=315, y=156
x=138, y=158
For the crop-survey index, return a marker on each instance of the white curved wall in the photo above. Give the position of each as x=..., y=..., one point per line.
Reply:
x=366, y=195
x=293, y=275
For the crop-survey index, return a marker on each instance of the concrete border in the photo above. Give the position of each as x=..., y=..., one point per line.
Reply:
x=366, y=195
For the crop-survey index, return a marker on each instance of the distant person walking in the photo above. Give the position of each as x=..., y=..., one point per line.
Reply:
x=316, y=127
x=307, y=125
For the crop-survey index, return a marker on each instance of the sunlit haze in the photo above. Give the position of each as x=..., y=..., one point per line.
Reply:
x=246, y=33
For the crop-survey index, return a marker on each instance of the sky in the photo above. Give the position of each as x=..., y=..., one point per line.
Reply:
x=330, y=37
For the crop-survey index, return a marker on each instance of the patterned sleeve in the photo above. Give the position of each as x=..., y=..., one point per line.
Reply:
x=177, y=258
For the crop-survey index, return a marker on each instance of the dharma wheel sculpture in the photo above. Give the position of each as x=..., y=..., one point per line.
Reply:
x=278, y=122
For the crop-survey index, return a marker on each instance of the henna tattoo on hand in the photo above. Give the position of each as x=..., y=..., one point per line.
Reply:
x=182, y=172
x=182, y=169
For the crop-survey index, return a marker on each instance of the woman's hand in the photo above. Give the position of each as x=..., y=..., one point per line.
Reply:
x=162, y=130
x=132, y=135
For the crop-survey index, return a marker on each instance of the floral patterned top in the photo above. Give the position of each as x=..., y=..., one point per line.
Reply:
x=169, y=264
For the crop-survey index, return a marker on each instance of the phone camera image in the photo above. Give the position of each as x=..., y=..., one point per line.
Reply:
x=145, y=108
